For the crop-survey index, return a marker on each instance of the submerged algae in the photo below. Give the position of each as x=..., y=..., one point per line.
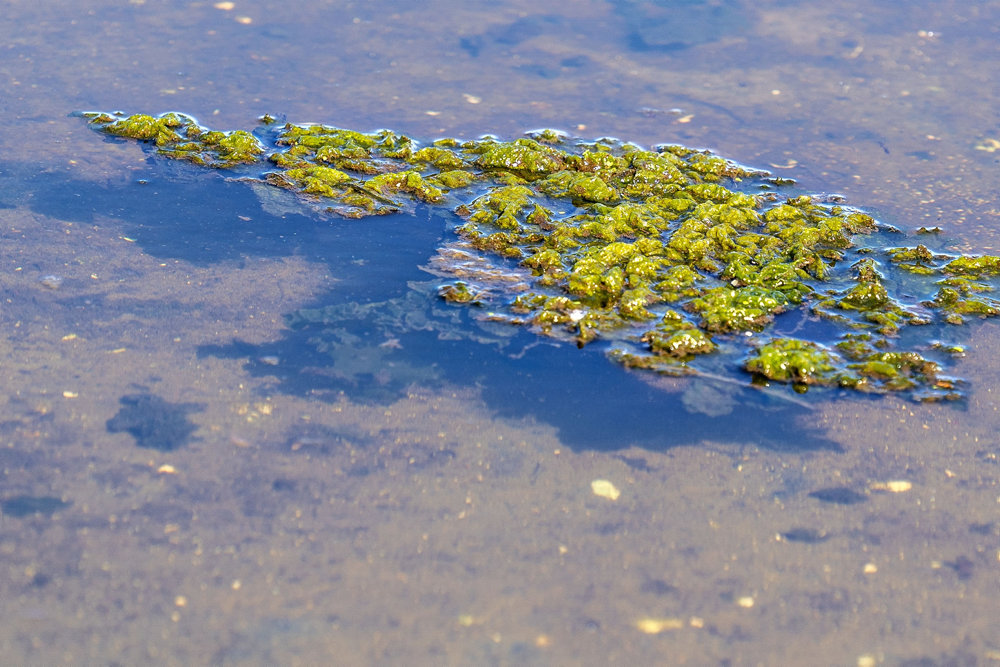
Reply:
x=668, y=254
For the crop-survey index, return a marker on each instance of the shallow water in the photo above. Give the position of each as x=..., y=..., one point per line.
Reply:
x=236, y=431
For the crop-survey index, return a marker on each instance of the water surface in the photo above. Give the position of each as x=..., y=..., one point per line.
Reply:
x=237, y=431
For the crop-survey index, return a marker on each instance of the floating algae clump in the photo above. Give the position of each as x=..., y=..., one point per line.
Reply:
x=179, y=136
x=666, y=256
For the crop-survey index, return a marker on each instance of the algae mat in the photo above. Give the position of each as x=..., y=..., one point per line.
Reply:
x=677, y=260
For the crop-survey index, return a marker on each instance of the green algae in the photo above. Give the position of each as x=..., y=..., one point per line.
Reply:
x=976, y=266
x=796, y=361
x=459, y=292
x=179, y=136
x=676, y=337
x=668, y=255
x=860, y=367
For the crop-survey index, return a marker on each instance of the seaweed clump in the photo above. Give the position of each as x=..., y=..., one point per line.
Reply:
x=668, y=255
x=179, y=136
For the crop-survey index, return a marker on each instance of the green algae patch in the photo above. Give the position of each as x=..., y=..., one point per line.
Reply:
x=677, y=338
x=667, y=257
x=982, y=265
x=459, y=292
x=525, y=158
x=179, y=136
x=805, y=363
x=960, y=300
x=796, y=361
x=725, y=309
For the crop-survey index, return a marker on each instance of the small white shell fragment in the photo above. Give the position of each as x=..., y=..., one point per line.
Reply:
x=870, y=568
x=605, y=489
x=892, y=486
x=654, y=626
x=746, y=602
x=51, y=281
x=167, y=469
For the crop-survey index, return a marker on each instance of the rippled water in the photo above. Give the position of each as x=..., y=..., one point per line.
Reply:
x=238, y=431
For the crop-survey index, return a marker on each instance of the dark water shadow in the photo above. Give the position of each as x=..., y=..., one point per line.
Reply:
x=592, y=402
x=667, y=26
x=172, y=212
x=179, y=212
x=595, y=404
